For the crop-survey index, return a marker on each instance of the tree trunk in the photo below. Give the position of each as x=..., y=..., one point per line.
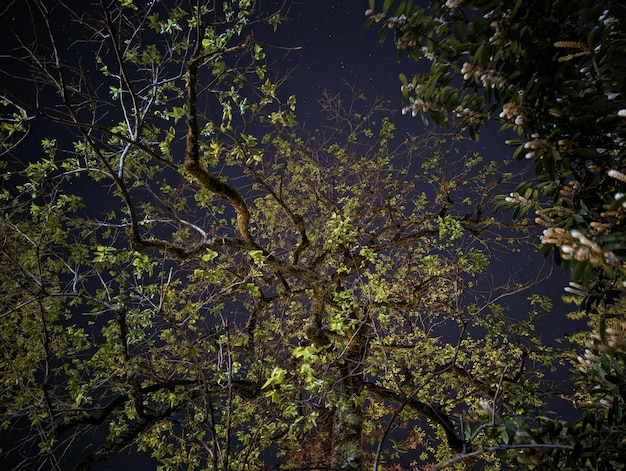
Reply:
x=348, y=415
x=347, y=427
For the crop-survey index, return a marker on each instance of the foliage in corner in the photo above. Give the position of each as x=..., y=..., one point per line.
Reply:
x=554, y=74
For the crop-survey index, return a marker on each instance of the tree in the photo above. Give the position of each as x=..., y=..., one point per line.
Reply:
x=187, y=271
x=488, y=62
x=552, y=72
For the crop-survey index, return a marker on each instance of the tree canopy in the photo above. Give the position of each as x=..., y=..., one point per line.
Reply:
x=189, y=272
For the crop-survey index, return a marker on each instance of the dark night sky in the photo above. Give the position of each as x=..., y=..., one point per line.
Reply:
x=338, y=49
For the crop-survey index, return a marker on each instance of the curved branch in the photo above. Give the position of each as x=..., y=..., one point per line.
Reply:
x=425, y=410
x=192, y=153
x=473, y=454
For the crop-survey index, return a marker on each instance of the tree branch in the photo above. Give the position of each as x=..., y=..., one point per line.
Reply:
x=459, y=458
x=192, y=153
x=426, y=410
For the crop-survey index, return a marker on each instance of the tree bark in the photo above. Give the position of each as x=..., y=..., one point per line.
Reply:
x=347, y=428
x=348, y=415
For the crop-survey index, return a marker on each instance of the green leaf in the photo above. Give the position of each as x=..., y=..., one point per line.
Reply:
x=209, y=255
x=276, y=378
x=178, y=112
